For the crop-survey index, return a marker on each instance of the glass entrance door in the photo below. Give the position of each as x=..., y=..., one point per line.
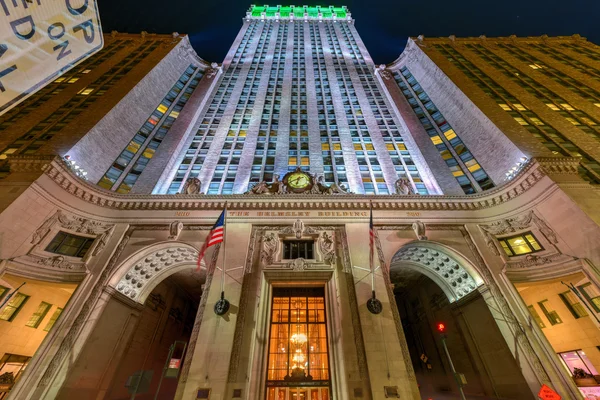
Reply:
x=298, y=364
x=297, y=393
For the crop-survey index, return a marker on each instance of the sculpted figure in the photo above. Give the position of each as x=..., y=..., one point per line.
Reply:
x=404, y=187
x=191, y=186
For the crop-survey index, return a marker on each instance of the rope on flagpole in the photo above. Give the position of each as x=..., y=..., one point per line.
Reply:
x=222, y=305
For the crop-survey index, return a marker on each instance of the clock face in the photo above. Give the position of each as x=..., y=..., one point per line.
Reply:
x=298, y=180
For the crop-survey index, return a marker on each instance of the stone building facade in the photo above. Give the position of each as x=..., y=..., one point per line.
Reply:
x=477, y=218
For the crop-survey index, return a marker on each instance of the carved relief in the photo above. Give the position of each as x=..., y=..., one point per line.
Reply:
x=175, y=230
x=420, y=230
x=327, y=248
x=270, y=244
x=133, y=282
x=56, y=262
x=513, y=225
x=191, y=186
x=74, y=224
x=440, y=264
x=404, y=187
x=299, y=264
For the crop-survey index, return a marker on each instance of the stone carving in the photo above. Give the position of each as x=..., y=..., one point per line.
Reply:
x=56, y=262
x=299, y=264
x=534, y=260
x=270, y=243
x=279, y=187
x=298, y=228
x=534, y=171
x=192, y=186
x=260, y=188
x=333, y=189
x=175, y=230
x=515, y=224
x=327, y=248
x=132, y=283
x=404, y=187
x=420, y=230
x=440, y=264
x=76, y=224
x=385, y=74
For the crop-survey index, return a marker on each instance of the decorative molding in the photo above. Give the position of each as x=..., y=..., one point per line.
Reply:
x=136, y=278
x=533, y=172
x=534, y=260
x=175, y=230
x=514, y=225
x=457, y=280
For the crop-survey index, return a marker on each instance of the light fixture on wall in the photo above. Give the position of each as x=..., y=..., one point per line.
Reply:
x=515, y=170
x=76, y=169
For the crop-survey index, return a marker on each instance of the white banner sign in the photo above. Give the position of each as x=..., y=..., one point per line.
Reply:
x=41, y=39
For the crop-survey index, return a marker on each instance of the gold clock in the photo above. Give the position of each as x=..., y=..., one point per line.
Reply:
x=298, y=180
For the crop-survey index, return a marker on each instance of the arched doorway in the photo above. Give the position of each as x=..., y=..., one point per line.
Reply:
x=151, y=302
x=434, y=284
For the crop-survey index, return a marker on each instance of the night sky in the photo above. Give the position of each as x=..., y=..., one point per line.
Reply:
x=383, y=25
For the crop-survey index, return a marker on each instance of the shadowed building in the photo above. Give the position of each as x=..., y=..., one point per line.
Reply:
x=477, y=156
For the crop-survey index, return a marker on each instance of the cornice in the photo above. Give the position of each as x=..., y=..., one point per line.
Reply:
x=529, y=176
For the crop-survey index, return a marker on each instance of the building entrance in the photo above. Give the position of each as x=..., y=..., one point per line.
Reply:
x=298, y=365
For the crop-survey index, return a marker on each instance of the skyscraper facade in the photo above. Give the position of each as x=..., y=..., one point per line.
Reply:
x=365, y=206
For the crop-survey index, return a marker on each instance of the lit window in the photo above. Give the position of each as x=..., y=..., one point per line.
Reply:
x=337, y=146
x=592, y=295
x=578, y=359
x=597, y=104
x=521, y=121
x=72, y=80
x=520, y=244
x=369, y=146
x=85, y=91
x=7, y=152
x=162, y=108
x=535, y=66
x=567, y=106
x=292, y=161
x=450, y=134
x=573, y=304
x=13, y=307
x=298, y=361
x=304, y=161
x=86, y=71
x=536, y=317
x=536, y=121
x=458, y=173
x=573, y=121
x=436, y=140
x=588, y=121
x=38, y=315
x=324, y=146
x=70, y=245
x=519, y=107
x=505, y=107
x=390, y=146
x=61, y=79
x=553, y=106
x=174, y=114
x=550, y=314
x=293, y=249
x=53, y=319
x=357, y=146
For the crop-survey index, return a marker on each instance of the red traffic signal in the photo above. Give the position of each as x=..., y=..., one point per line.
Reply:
x=441, y=327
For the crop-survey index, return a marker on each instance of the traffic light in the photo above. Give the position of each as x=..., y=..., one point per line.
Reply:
x=441, y=327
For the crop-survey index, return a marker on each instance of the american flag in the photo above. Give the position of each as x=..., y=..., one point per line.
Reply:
x=214, y=236
x=371, y=240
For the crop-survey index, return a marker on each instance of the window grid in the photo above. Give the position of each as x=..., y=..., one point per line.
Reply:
x=334, y=169
x=395, y=146
x=36, y=100
x=134, y=158
x=573, y=304
x=573, y=85
x=583, y=50
x=551, y=315
x=53, y=319
x=548, y=136
x=461, y=162
x=13, y=307
x=70, y=245
x=520, y=244
x=196, y=154
x=556, y=103
x=31, y=141
x=264, y=155
x=536, y=316
x=227, y=166
x=555, y=54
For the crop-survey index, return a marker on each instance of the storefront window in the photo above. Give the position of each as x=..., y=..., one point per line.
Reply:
x=577, y=359
x=298, y=366
x=11, y=368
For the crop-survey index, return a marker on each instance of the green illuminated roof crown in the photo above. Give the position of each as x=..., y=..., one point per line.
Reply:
x=298, y=12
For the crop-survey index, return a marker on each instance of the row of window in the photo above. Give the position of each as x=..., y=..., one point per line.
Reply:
x=16, y=303
x=149, y=137
x=571, y=301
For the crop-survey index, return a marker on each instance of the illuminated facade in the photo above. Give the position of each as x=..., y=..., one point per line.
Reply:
x=479, y=168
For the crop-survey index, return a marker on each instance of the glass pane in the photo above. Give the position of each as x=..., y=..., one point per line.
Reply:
x=533, y=242
x=518, y=245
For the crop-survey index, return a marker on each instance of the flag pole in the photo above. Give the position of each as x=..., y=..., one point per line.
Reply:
x=224, y=251
x=371, y=243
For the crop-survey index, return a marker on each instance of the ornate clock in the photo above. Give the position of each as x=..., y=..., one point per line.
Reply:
x=298, y=181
